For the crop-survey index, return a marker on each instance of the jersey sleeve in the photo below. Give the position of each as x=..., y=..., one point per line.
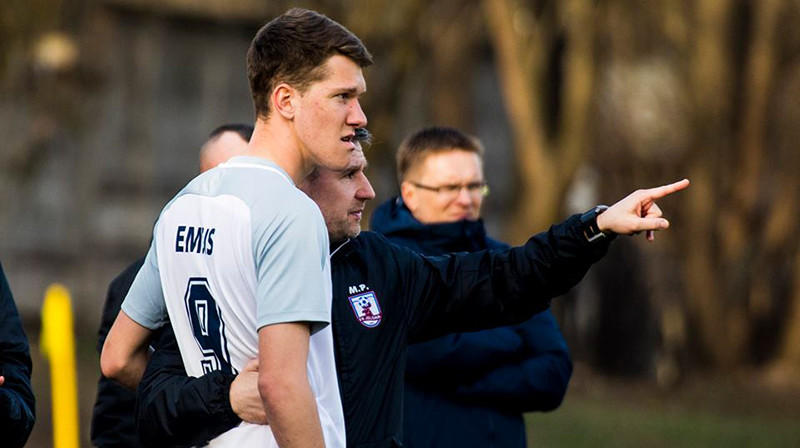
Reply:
x=293, y=267
x=144, y=302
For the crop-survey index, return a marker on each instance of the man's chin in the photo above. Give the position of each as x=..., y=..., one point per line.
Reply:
x=464, y=216
x=341, y=237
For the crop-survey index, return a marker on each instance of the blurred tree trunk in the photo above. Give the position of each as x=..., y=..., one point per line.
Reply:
x=781, y=237
x=740, y=211
x=741, y=208
x=452, y=35
x=711, y=86
x=523, y=44
x=727, y=235
x=786, y=368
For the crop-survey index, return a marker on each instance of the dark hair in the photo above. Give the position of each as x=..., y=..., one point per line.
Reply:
x=244, y=130
x=363, y=136
x=292, y=48
x=431, y=140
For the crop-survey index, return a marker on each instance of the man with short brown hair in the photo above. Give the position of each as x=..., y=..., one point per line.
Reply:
x=239, y=260
x=293, y=49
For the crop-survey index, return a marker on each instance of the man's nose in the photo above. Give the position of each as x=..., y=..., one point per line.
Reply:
x=464, y=196
x=357, y=117
x=366, y=192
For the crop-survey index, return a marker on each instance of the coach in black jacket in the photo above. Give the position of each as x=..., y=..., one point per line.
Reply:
x=17, y=403
x=385, y=297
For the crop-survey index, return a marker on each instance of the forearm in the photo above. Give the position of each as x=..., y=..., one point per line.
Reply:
x=292, y=412
x=125, y=352
x=127, y=373
x=289, y=402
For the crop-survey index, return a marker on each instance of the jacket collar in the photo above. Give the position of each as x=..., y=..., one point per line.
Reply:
x=394, y=220
x=341, y=250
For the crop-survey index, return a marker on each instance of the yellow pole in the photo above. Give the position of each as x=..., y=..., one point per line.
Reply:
x=58, y=345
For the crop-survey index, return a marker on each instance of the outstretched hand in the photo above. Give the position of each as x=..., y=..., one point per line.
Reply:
x=638, y=211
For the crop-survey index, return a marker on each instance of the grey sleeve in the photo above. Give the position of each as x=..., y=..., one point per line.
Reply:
x=145, y=300
x=292, y=267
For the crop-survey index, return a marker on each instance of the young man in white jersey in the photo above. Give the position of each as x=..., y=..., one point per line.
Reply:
x=239, y=260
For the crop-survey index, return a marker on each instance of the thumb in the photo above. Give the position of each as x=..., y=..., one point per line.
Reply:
x=652, y=224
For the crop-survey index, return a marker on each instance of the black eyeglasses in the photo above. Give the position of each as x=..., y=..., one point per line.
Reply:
x=451, y=191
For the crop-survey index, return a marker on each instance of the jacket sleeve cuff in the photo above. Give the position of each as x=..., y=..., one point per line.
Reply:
x=220, y=404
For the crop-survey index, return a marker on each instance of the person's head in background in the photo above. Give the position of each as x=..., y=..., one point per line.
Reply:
x=223, y=143
x=440, y=171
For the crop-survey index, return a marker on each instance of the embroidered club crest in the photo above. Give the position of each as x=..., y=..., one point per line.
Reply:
x=367, y=309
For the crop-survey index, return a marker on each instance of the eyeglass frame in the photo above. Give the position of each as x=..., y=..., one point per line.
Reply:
x=480, y=188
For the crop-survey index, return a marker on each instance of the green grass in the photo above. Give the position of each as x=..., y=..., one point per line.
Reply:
x=598, y=422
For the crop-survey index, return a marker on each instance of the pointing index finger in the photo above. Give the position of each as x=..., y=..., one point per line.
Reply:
x=664, y=190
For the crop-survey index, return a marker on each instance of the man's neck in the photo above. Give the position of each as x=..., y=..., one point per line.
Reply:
x=277, y=142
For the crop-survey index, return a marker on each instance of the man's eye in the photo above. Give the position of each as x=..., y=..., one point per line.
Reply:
x=452, y=188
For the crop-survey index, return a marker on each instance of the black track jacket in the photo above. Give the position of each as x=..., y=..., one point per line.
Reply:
x=17, y=402
x=384, y=297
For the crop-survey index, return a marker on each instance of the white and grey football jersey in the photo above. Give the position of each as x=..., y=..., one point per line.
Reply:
x=237, y=249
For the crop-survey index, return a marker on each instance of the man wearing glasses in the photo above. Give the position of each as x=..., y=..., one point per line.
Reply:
x=466, y=389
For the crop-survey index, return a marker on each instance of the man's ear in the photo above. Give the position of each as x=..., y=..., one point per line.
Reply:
x=284, y=100
x=409, y=195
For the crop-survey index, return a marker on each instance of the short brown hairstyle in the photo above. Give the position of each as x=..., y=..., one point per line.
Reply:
x=292, y=48
x=414, y=149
